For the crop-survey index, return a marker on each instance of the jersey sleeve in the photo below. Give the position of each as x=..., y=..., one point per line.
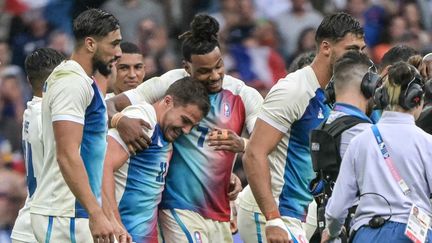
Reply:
x=143, y=111
x=252, y=100
x=153, y=89
x=283, y=106
x=70, y=96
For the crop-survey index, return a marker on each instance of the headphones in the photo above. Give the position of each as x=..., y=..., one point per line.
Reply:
x=409, y=98
x=370, y=81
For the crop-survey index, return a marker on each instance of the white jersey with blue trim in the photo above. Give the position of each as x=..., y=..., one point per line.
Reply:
x=294, y=106
x=70, y=95
x=33, y=155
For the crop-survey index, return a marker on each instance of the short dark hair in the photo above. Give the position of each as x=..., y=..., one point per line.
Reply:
x=40, y=63
x=302, y=60
x=335, y=26
x=202, y=38
x=94, y=22
x=130, y=48
x=187, y=90
x=351, y=67
x=396, y=54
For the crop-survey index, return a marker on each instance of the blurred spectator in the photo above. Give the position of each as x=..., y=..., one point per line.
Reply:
x=12, y=195
x=154, y=43
x=62, y=42
x=36, y=36
x=12, y=108
x=305, y=42
x=412, y=16
x=131, y=12
x=292, y=23
x=258, y=66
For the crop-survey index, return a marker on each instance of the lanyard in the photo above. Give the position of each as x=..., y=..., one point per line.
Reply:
x=389, y=161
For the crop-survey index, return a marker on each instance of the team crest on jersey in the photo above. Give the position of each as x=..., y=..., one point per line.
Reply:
x=197, y=236
x=226, y=109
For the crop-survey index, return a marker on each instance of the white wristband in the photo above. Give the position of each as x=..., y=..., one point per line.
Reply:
x=278, y=222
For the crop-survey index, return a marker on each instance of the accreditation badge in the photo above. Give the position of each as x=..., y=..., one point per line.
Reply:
x=418, y=224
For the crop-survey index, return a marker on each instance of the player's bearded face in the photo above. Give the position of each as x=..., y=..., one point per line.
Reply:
x=102, y=66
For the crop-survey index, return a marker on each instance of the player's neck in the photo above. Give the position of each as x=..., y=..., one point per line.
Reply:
x=321, y=70
x=159, y=111
x=84, y=61
x=356, y=100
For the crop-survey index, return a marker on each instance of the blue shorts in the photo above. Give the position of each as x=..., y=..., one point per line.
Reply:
x=389, y=232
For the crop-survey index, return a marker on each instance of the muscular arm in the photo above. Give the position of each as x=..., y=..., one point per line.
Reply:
x=256, y=165
x=68, y=136
x=116, y=156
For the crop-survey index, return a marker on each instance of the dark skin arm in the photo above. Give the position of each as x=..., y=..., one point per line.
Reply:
x=130, y=129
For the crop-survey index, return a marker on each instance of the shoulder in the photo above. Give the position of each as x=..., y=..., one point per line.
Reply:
x=175, y=74
x=143, y=111
x=299, y=86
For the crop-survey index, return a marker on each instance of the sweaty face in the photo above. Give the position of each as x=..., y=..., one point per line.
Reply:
x=180, y=120
x=349, y=42
x=207, y=68
x=108, y=50
x=130, y=71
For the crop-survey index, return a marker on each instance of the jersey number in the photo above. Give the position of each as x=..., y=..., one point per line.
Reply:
x=31, y=179
x=204, y=131
x=162, y=172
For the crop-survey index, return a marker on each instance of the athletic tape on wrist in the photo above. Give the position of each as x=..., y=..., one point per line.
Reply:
x=278, y=222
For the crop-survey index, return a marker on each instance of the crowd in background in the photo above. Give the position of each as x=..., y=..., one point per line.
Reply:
x=260, y=38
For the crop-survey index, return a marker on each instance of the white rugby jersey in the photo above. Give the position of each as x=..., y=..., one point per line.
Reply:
x=70, y=95
x=294, y=106
x=33, y=155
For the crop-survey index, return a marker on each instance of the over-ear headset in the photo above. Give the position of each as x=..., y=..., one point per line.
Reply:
x=370, y=82
x=409, y=98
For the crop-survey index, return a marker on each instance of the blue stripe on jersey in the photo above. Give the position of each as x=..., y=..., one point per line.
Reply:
x=93, y=146
x=295, y=196
x=31, y=178
x=144, y=185
x=49, y=229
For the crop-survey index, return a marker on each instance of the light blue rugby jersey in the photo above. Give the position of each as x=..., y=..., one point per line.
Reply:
x=141, y=180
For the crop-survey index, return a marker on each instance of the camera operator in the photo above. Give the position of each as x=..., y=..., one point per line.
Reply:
x=388, y=167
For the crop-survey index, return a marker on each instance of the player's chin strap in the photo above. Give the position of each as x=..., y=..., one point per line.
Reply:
x=278, y=222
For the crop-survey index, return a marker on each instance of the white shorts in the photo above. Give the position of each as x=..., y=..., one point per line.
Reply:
x=22, y=230
x=61, y=229
x=251, y=225
x=178, y=225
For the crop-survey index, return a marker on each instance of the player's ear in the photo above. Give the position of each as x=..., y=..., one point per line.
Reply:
x=90, y=44
x=168, y=100
x=187, y=66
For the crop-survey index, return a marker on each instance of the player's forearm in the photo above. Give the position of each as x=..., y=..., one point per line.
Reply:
x=75, y=176
x=109, y=202
x=258, y=175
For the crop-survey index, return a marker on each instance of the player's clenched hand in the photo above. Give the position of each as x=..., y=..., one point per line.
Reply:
x=235, y=187
x=224, y=139
x=100, y=227
x=275, y=234
x=132, y=133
